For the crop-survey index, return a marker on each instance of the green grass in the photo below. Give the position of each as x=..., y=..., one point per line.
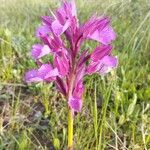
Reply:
x=116, y=112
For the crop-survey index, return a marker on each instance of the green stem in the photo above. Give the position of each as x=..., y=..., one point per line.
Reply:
x=70, y=112
x=70, y=129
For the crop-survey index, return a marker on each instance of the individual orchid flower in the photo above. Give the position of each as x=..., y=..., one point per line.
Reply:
x=45, y=73
x=62, y=63
x=101, y=62
x=71, y=64
x=39, y=51
x=98, y=29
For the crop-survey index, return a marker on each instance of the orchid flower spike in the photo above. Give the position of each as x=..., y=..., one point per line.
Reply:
x=70, y=62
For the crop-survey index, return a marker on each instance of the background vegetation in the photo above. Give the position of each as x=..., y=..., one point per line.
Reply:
x=116, y=112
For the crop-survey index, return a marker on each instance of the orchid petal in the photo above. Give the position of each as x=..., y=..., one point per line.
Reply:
x=39, y=51
x=105, y=36
x=103, y=66
x=100, y=52
x=93, y=25
x=79, y=89
x=81, y=72
x=47, y=71
x=52, y=73
x=73, y=8
x=61, y=85
x=62, y=63
x=93, y=67
x=32, y=76
x=42, y=31
x=108, y=63
x=83, y=58
x=98, y=29
x=75, y=104
x=59, y=29
x=47, y=20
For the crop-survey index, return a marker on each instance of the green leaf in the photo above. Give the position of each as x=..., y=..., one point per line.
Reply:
x=56, y=143
x=122, y=119
x=132, y=105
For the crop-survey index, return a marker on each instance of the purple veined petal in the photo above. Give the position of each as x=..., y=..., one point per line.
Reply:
x=93, y=67
x=79, y=89
x=73, y=8
x=63, y=70
x=50, y=79
x=59, y=29
x=62, y=63
x=83, y=57
x=100, y=52
x=74, y=25
x=45, y=50
x=108, y=63
x=61, y=15
x=105, y=36
x=45, y=39
x=55, y=43
x=94, y=24
x=52, y=73
x=87, y=27
x=66, y=16
x=42, y=31
x=75, y=104
x=36, y=50
x=98, y=29
x=47, y=20
x=70, y=29
x=61, y=86
x=95, y=36
x=102, y=66
x=39, y=51
x=81, y=72
x=66, y=26
x=70, y=8
x=66, y=12
x=46, y=71
x=32, y=76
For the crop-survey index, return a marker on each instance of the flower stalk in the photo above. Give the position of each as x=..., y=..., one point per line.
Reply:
x=70, y=129
x=71, y=79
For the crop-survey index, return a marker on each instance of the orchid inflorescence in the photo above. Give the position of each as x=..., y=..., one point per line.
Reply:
x=70, y=65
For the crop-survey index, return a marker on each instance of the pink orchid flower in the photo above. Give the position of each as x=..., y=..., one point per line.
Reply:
x=69, y=61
